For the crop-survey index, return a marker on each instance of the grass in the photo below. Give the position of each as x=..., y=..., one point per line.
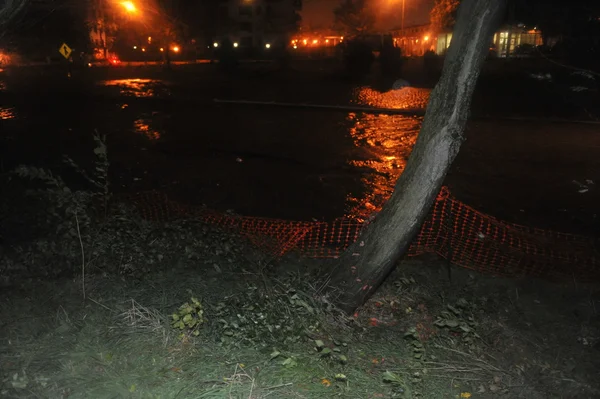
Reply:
x=119, y=343
x=111, y=346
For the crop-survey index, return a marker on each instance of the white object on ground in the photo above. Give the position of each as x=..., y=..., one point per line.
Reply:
x=400, y=84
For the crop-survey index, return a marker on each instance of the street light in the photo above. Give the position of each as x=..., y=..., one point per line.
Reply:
x=129, y=6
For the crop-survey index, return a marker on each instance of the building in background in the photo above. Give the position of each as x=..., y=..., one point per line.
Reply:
x=414, y=40
x=508, y=41
x=257, y=23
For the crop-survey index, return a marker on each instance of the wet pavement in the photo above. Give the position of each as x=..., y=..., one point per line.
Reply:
x=166, y=133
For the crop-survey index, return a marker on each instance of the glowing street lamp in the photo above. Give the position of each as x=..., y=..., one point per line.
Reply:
x=176, y=49
x=129, y=6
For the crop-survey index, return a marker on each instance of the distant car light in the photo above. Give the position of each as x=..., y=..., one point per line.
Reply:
x=215, y=44
x=236, y=44
x=268, y=45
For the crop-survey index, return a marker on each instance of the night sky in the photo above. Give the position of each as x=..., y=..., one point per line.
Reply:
x=319, y=13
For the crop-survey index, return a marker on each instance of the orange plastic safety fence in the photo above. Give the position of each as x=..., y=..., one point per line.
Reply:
x=453, y=230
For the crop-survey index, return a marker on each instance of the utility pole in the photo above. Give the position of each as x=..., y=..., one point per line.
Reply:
x=403, y=4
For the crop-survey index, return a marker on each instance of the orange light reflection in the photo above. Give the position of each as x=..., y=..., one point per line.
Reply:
x=134, y=87
x=143, y=127
x=383, y=144
x=7, y=113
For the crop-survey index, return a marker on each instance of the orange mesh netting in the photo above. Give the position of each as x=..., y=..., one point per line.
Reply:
x=453, y=230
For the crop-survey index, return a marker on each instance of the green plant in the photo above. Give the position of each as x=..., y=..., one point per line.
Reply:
x=459, y=320
x=99, y=179
x=189, y=317
x=52, y=224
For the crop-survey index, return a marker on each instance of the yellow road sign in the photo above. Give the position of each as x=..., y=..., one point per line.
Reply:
x=65, y=50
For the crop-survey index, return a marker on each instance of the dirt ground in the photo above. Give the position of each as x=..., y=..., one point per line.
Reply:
x=430, y=332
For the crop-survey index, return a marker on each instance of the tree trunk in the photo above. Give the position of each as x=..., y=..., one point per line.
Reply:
x=365, y=265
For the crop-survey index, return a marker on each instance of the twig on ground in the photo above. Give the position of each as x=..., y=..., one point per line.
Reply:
x=99, y=304
x=454, y=377
x=277, y=387
x=280, y=386
x=82, y=256
x=471, y=357
x=34, y=394
x=237, y=377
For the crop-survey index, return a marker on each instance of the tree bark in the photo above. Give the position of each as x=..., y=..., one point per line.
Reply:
x=363, y=267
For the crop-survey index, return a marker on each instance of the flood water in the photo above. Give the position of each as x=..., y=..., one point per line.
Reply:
x=289, y=163
x=282, y=163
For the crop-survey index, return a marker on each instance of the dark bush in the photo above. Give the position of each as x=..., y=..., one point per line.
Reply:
x=358, y=58
x=390, y=61
x=432, y=62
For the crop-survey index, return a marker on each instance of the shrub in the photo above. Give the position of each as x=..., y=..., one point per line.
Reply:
x=390, y=61
x=358, y=58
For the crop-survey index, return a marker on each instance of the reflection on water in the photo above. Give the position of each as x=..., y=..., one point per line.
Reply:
x=388, y=139
x=142, y=126
x=405, y=98
x=136, y=87
x=7, y=113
